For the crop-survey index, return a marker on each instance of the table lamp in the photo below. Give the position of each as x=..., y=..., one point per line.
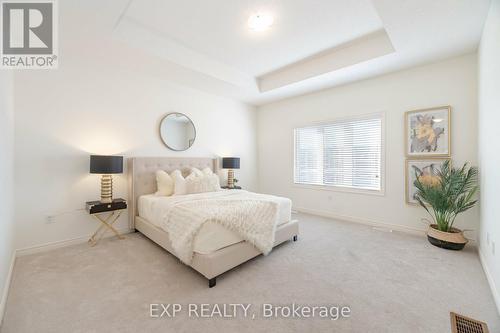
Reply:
x=106, y=166
x=230, y=163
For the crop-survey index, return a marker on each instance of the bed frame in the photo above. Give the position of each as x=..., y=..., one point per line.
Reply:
x=142, y=180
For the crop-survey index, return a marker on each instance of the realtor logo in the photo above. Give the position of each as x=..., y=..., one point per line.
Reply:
x=29, y=34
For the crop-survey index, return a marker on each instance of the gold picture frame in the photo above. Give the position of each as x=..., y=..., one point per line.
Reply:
x=423, y=163
x=431, y=138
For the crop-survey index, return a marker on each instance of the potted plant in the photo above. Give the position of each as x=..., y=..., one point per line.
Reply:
x=452, y=194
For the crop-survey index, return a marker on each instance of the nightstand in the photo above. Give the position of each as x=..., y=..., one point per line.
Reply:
x=107, y=214
x=232, y=188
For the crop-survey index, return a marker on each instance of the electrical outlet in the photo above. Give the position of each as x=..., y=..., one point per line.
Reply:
x=488, y=238
x=493, y=247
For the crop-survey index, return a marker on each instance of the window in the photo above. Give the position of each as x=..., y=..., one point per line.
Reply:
x=344, y=153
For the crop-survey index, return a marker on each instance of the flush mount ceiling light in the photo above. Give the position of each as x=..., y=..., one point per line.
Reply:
x=260, y=21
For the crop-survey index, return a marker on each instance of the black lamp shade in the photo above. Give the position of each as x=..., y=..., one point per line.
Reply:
x=230, y=162
x=106, y=164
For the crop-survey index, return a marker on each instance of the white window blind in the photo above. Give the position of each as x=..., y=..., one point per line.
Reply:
x=343, y=153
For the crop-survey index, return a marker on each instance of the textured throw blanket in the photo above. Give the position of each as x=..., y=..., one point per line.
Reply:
x=250, y=217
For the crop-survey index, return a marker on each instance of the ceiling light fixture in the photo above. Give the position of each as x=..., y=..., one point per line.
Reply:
x=260, y=21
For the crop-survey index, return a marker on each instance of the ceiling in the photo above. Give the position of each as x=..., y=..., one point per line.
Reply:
x=218, y=28
x=313, y=44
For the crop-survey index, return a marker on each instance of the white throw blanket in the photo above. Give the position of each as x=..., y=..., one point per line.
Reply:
x=248, y=215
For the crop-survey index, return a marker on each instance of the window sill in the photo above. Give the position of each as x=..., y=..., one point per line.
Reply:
x=340, y=189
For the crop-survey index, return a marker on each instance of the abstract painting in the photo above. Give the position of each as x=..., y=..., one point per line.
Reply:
x=428, y=132
x=426, y=170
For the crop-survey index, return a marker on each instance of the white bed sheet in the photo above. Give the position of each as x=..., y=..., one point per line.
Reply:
x=212, y=236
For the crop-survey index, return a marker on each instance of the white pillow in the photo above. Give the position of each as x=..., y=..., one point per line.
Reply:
x=207, y=171
x=164, y=183
x=206, y=183
x=197, y=172
x=179, y=182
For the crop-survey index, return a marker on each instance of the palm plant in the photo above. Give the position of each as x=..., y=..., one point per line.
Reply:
x=453, y=194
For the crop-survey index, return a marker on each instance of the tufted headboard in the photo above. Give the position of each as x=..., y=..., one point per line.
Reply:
x=142, y=175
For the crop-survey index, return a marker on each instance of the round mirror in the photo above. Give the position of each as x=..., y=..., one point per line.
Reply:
x=177, y=131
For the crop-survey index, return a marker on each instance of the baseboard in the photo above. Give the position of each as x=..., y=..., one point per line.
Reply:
x=491, y=282
x=6, y=287
x=62, y=243
x=373, y=223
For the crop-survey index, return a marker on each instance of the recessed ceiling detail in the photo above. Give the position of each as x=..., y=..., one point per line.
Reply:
x=307, y=46
x=361, y=49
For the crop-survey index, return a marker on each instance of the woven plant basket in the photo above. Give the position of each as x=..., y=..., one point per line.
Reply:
x=453, y=240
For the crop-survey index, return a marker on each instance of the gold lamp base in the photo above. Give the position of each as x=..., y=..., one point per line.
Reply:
x=106, y=188
x=230, y=178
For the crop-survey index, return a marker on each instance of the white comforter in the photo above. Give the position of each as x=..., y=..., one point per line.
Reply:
x=208, y=221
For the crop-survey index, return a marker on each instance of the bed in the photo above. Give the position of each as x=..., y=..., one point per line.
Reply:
x=215, y=248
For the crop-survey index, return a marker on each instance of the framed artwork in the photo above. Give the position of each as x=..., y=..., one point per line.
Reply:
x=426, y=170
x=428, y=132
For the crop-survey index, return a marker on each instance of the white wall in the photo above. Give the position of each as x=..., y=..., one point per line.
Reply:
x=489, y=146
x=6, y=182
x=106, y=103
x=450, y=82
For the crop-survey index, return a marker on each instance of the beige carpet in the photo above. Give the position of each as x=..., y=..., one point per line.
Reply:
x=392, y=282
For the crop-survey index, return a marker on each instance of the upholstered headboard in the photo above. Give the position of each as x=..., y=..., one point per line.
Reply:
x=142, y=175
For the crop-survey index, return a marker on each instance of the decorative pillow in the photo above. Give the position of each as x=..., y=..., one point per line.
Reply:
x=207, y=171
x=179, y=182
x=164, y=183
x=197, y=172
x=207, y=183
